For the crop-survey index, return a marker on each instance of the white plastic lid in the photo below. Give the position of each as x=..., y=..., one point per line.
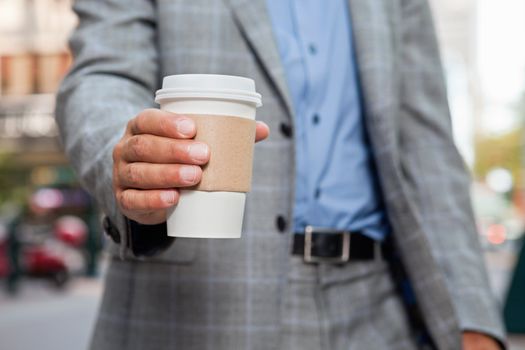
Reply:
x=208, y=86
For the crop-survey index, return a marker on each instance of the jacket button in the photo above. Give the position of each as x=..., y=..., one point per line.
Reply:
x=286, y=130
x=111, y=230
x=281, y=224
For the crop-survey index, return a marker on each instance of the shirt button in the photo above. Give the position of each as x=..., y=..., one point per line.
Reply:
x=281, y=224
x=286, y=130
x=316, y=119
x=312, y=49
x=317, y=193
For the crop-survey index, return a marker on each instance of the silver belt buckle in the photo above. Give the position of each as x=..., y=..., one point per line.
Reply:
x=309, y=258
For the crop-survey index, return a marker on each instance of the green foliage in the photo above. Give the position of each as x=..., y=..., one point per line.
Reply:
x=504, y=151
x=13, y=181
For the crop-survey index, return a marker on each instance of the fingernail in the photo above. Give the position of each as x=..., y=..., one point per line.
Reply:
x=168, y=197
x=185, y=126
x=188, y=173
x=198, y=152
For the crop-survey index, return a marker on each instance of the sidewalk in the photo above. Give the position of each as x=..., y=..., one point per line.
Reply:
x=46, y=319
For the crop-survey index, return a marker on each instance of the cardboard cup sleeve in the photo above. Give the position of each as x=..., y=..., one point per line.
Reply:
x=231, y=141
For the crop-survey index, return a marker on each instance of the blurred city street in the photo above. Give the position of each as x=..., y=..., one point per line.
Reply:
x=41, y=317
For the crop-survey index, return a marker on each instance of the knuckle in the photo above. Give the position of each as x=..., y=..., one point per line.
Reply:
x=132, y=174
x=138, y=123
x=138, y=146
x=124, y=198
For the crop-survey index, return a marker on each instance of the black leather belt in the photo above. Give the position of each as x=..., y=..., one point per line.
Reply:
x=326, y=245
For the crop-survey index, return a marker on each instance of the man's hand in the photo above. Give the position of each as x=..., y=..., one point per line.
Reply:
x=154, y=158
x=479, y=341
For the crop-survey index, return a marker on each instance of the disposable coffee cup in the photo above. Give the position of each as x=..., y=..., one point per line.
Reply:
x=223, y=108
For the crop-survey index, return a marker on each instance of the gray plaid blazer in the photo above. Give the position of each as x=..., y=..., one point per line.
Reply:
x=122, y=50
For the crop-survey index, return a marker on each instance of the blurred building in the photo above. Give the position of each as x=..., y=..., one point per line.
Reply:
x=485, y=66
x=38, y=189
x=456, y=26
x=33, y=60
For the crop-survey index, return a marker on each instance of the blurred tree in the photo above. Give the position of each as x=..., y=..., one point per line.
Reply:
x=13, y=181
x=502, y=151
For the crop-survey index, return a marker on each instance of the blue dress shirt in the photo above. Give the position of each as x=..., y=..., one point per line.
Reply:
x=336, y=186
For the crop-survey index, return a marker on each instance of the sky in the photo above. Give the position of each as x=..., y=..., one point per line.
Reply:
x=483, y=96
x=501, y=60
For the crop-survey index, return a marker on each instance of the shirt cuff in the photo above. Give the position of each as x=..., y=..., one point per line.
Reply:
x=147, y=240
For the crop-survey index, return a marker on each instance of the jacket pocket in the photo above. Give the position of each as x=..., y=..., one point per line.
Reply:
x=182, y=251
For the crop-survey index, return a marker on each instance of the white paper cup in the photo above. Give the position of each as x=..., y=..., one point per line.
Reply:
x=203, y=214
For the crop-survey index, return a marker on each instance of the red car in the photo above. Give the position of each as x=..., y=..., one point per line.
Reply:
x=40, y=261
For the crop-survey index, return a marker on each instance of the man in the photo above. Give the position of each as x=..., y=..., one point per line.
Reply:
x=361, y=152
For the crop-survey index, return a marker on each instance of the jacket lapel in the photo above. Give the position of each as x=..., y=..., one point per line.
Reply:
x=374, y=54
x=253, y=19
x=373, y=37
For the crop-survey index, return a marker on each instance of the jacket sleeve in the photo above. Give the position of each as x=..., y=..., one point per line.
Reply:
x=114, y=75
x=437, y=175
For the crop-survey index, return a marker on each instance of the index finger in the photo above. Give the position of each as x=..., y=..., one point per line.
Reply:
x=162, y=123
